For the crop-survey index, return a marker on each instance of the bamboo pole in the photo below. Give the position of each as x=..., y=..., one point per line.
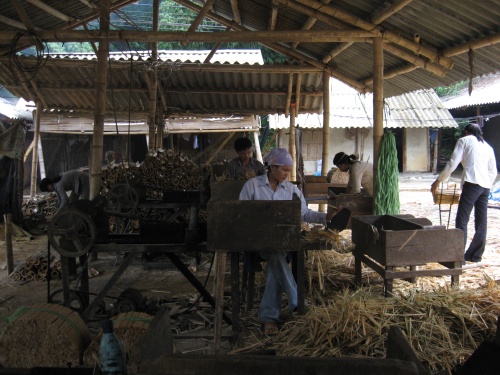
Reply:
x=475, y=44
x=308, y=36
x=8, y=243
x=41, y=160
x=325, y=157
x=389, y=36
x=218, y=44
x=28, y=151
x=199, y=18
x=289, y=95
x=378, y=102
x=222, y=144
x=258, y=151
x=297, y=94
x=392, y=9
x=153, y=83
x=36, y=136
x=236, y=11
x=100, y=103
x=291, y=145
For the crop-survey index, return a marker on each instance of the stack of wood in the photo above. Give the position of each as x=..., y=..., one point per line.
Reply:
x=36, y=268
x=166, y=170
x=128, y=328
x=119, y=173
x=43, y=335
x=46, y=205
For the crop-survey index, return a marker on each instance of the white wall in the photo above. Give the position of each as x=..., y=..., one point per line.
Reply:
x=417, y=150
x=341, y=139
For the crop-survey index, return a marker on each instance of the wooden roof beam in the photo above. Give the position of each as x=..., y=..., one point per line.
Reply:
x=236, y=11
x=287, y=51
x=48, y=9
x=309, y=23
x=88, y=3
x=216, y=47
x=475, y=44
x=309, y=36
x=297, y=93
x=207, y=7
x=274, y=16
x=289, y=95
x=389, y=36
x=14, y=23
x=341, y=47
x=390, y=10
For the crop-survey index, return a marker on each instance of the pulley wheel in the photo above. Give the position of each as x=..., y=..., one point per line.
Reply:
x=71, y=232
x=123, y=199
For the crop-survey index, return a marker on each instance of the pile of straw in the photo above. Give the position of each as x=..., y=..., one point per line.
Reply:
x=43, y=335
x=444, y=327
x=128, y=328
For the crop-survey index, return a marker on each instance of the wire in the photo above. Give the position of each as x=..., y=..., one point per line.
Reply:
x=20, y=70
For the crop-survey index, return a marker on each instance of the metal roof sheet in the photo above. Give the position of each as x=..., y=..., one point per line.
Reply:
x=481, y=94
x=350, y=109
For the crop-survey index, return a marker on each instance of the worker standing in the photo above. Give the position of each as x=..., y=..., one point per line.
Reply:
x=479, y=174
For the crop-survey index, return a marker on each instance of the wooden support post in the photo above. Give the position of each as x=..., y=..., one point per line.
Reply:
x=436, y=152
x=291, y=145
x=34, y=163
x=297, y=94
x=289, y=94
x=8, y=243
x=41, y=160
x=258, y=153
x=378, y=103
x=28, y=150
x=326, y=131
x=219, y=299
x=100, y=102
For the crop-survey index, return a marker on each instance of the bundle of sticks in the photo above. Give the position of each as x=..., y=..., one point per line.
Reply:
x=37, y=268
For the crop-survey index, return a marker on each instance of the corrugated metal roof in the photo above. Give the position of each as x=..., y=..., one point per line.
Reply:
x=67, y=84
x=15, y=112
x=349, y=109
x=440, y=26
x=482, y=93
x=222, y=56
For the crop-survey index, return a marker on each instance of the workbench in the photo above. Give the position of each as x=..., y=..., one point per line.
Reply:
x=386, y=242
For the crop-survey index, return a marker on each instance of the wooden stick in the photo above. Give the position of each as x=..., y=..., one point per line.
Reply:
x=8, y=243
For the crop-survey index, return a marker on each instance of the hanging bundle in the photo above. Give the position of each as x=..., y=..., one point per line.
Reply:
x=387, y=190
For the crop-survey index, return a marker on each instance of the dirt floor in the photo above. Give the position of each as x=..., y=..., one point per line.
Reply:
x=163, y=285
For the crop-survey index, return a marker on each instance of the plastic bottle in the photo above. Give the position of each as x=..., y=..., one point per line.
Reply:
x=111, y=353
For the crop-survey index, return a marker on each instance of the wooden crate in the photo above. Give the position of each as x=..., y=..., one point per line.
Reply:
x=253, y=225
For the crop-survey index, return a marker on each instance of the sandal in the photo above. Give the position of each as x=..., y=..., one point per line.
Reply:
x=269, y=328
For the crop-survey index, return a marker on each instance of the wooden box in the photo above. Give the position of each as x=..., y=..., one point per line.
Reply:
x=403, y=240
x=253, y=225
x=226, y=190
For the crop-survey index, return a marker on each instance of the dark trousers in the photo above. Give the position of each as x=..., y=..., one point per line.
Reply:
x=475, y=196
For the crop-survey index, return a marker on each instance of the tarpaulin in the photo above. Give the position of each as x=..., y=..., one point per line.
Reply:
x=12, y=141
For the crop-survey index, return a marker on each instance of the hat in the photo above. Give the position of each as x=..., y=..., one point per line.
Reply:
x=279, y=156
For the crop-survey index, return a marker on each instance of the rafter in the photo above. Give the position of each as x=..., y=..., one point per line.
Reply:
x=309, y=23
x=50, y=10
x=14, y=23
x=390, y=10
x=22, y=15
x=207, y=7
x=389, y=36
x=236, y=11
x=274, y=16
x=475, y=44
x=215, y=48
x=286, y=51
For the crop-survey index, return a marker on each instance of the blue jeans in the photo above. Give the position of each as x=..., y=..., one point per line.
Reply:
x=279, y=279
x=475, y=196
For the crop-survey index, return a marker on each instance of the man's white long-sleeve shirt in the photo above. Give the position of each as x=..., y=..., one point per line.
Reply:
x=478, y=162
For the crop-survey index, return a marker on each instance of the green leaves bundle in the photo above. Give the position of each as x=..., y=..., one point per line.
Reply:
x=387, y=181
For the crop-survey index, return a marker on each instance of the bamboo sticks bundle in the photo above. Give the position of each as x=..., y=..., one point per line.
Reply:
x=36, y=268
x=128, y=327
x=43, y=335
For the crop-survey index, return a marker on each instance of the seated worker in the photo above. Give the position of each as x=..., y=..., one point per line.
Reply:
x=360, y=173
x=76, y=181
x=244, y=166
x=274, y=186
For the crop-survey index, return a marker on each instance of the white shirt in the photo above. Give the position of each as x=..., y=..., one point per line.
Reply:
x=360, y=176
x=259, y=188
x=478, y=162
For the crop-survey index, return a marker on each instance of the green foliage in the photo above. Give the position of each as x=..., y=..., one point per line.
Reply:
x=450, y=90
x=387, y=190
